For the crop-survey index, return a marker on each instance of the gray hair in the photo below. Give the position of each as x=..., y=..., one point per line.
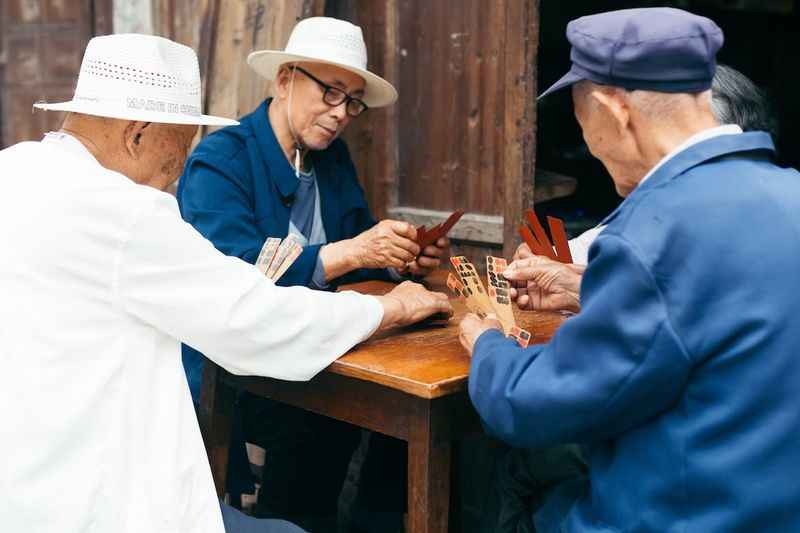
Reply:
x=737, y=100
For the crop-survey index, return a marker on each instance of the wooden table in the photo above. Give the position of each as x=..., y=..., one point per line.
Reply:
x=409, y=383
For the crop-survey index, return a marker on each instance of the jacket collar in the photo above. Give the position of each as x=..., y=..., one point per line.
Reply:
x=693, y=156
x=280, y=170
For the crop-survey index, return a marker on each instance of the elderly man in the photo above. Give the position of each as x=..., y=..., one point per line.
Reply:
x=547, y=285
x=678, y=375
x=102, y=281
x=284, y=170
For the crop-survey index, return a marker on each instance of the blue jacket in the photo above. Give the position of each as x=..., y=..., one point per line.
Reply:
x=236, y=190
x=681, y=374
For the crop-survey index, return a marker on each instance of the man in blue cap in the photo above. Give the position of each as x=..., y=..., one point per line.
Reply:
x=678, y=376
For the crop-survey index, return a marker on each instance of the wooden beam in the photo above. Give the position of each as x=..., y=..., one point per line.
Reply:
x=473, y=227
x=521, y=46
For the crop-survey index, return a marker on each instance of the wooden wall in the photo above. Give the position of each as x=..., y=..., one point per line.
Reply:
x=463, y=132
x=41, y=46
x=461, y=136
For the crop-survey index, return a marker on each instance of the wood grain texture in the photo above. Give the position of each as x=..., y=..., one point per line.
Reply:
x=522, y=30
x=372, y=137
x=425, y=361
x=238, y=28
x=42, y=46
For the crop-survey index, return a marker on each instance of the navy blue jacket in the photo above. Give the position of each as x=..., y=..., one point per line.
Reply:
x=236, y=190
x=681, y=374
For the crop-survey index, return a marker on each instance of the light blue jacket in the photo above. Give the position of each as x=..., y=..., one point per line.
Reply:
x=681, y=374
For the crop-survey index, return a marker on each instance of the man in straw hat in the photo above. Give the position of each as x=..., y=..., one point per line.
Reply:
x=679, y=375
x=285, y=170
x=102, y=281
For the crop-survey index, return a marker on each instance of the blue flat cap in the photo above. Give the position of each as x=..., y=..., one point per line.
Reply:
x=656, y=49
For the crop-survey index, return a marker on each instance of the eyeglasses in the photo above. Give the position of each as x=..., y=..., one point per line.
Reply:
x=334, y=96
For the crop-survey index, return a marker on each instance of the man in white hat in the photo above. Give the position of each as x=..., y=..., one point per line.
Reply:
x=102, y=281
x=285, y=170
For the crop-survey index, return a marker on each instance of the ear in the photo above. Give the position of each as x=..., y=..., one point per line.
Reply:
x=613, y=105
x=133, y=137
x=282, y=81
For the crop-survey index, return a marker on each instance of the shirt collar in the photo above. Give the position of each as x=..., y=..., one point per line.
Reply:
x=68, y=143
x=727, y=129
x=694, y=155
x=280, y=170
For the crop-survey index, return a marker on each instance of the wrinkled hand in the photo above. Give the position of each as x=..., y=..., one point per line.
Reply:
x=389, y=243
x=542, y=284
x=429, y=260
x=410, y=302
x=523, y=252
x=472, y=327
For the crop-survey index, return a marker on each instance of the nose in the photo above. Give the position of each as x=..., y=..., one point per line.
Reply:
x=340, y=111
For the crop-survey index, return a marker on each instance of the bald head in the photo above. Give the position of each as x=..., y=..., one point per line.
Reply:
x=631, y=131
x=146, y=152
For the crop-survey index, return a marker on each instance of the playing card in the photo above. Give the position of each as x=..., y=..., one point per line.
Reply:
x=520, y=335
x=267, y=254
x=288, y=261
x=499, y=291
x=283, y=250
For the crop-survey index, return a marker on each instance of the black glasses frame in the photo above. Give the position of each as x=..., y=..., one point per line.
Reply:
x=334, y=96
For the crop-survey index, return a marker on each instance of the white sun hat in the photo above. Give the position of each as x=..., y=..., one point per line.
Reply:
x=139, y=77
x=327, y=40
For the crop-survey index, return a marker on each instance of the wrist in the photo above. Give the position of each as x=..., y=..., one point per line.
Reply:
x=393, y=310
x=338, y=258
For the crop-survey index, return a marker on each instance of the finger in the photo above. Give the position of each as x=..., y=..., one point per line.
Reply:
x=428, y=262
x=443, y=242
x=402, y=254
x=525, y=270
x=523, y=301
x=513, y=293
x=404, y=229
x=444, y=306
x=432, y=251
x=407, y=245
x=522, y=252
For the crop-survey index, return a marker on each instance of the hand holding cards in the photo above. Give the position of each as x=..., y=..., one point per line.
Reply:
x=469, y=288
x=538, y=241
x=426, y=237
x=277, y=256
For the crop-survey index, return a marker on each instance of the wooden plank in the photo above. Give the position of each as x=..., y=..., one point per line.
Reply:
x=358, y=401
x=102, y=17
x=472, y=226
x=424, y=361
x=133, y=16
x=522, y=34
x=243, y=26
x=372, y=138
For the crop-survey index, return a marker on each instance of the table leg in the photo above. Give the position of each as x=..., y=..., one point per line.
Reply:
x=216, y=422
x=428, y=471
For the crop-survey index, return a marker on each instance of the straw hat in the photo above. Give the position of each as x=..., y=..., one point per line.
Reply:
x=331, y=41
x=139, y=77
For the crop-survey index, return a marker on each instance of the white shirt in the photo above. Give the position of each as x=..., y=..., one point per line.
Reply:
x=101, y=281
x=579, y=246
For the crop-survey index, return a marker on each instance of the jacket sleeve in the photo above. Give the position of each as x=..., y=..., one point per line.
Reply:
x=606, y=370
x=171, y=278
x=216, y=199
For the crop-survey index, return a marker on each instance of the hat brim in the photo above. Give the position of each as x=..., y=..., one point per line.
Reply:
x=88, y=108
x=570, y=78
x=377, y=91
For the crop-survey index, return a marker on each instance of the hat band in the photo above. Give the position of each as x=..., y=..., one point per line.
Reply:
x=138, y=103
x=671, y=86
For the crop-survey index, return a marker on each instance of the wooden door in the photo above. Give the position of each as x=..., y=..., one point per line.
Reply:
x=41, y=46
x=463, y=132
